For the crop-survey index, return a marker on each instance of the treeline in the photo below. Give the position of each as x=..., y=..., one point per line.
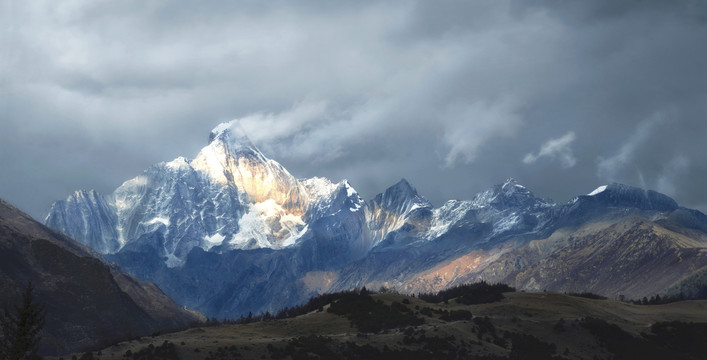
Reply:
x=364, y=312
x=316, y=303
x=665, y=299
x=656, y=300
x=468, y=294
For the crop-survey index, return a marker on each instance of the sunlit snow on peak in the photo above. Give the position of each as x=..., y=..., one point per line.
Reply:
x=210, y=161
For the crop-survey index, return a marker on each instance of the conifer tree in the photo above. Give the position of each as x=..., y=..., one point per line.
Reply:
x=21, y=331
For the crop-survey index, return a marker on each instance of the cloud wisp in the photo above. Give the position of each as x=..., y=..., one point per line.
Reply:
x=473, y=125
x=608, y=169
x=672, y=171
x=556, y=149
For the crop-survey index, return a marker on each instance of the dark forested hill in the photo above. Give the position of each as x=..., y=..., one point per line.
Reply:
x=88, y=302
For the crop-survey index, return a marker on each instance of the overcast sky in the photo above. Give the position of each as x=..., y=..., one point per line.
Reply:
x=454, y=96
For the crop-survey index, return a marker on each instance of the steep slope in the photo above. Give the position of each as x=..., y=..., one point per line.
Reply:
x=99, y=231
x=88, y=303
x=634, y=257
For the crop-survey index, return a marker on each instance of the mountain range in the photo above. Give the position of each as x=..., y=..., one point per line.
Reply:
x=232, y=231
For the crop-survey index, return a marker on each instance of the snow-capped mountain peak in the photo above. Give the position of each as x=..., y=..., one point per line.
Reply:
x=229, y=196
x=615, y=194
x=401, y=198
x=508, y=194
x=392, y=209
x=231, y=159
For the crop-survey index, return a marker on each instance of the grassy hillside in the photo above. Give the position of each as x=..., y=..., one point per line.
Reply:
x=519, y=326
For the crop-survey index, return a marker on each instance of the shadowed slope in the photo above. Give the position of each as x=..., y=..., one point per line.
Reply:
x=88, y=303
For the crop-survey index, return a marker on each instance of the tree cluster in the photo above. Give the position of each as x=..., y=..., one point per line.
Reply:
x=370, y=315
x=468, y=294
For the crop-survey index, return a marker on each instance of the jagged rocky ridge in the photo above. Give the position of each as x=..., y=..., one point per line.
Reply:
x=232, y=231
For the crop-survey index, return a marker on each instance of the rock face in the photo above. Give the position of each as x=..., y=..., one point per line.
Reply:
x=88, y=302
x=232, y=231
x=99, y=230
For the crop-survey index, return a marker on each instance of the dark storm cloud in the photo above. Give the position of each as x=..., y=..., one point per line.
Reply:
x=454, y=95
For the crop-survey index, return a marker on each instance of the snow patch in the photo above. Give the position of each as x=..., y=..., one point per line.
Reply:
x=446, y=216
x=597, y=190
x=173, y=261
x=268, y=225
x=251, y=228
x=293, y=239
x=506, y=223
x=349, y=190
x=161, y=220
x=319, y=187
x=418, y=205
x=213, y=240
